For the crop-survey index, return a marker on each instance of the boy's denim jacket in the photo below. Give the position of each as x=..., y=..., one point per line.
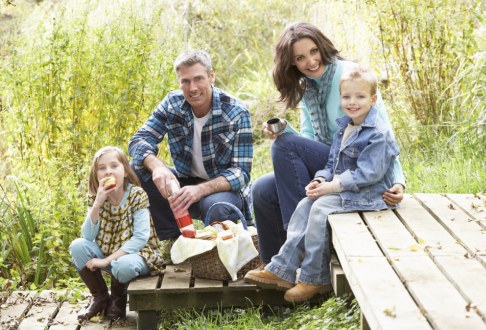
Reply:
x=362, y=163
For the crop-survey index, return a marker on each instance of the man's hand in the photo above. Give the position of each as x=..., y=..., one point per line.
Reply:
x=162, y=176
x=393, y=195
x=185, y=197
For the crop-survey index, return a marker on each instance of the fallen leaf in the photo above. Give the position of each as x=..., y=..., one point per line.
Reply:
x=414, y=247
x=393, y=248
x=390, y=312
x=451, y=206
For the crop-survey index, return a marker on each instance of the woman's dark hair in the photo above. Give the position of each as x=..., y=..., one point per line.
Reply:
x=287, y=78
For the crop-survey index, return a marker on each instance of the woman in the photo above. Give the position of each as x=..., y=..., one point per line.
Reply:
x=307, y=70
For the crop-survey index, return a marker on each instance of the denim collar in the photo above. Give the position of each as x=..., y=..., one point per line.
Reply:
x=370, y=120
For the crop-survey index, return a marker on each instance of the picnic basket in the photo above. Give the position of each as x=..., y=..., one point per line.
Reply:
x=208, y=264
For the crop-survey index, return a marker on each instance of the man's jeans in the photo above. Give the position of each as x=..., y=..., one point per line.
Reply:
x=163, y=218
x=308, y=243
x=275, y=195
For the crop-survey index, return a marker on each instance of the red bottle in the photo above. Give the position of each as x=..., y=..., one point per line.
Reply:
x=184, y=220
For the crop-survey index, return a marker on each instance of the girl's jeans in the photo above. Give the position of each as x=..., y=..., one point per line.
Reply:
x=124, y=269
x=308, y=243
x=275, y=195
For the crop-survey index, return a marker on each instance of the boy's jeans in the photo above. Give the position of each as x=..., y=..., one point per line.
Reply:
x=275, y=195
x=308, y=243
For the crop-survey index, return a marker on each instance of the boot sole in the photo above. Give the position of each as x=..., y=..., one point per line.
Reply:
x=268, y=284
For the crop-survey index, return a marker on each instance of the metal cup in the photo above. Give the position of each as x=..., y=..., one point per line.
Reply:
x=274, y=125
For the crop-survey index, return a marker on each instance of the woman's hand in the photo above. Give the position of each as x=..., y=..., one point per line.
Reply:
x=394, y=195
x=270, y=134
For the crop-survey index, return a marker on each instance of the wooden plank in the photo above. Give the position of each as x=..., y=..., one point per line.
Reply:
x=429, y=233
x=67, y=317
x=206, y=283
x=339, y=283
x=381, y=295
x=241, y=285
x=473, y=205
x=99, y=324
x=468, y=233
x=444, y=306
x=177, y=278
x=17, y=304
x=469, y=277
x=203, y=284
x=128, y=323
x=353, y=235
x=43, y=310
x=143, y=285
x=391, y=235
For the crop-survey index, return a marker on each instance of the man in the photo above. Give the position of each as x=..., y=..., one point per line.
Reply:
x=211, y=146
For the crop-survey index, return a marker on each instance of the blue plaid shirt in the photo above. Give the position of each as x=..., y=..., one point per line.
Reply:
x=226, y=140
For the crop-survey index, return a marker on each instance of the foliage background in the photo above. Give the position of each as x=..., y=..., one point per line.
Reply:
x=78, y=75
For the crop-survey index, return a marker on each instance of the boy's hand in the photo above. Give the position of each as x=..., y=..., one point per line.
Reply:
x=393, y=195
x=316, y=189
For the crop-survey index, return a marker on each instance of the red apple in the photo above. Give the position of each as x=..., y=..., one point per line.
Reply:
x=110, y=182
x=188, y=233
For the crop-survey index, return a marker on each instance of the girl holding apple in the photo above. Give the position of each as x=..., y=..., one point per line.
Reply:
x=118, y=235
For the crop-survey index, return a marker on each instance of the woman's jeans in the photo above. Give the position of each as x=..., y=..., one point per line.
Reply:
x=124, y=269
x=308, y=243
x=275, y=195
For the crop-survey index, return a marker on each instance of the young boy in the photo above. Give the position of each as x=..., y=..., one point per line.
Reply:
x=354, y=179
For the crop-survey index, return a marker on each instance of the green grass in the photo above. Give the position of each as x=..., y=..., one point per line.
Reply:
x=334, y=313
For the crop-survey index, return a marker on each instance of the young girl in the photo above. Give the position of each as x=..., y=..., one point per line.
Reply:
x=117, y=235
x=354, y=178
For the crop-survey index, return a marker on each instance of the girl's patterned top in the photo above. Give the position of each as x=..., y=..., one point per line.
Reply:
x=117, y=223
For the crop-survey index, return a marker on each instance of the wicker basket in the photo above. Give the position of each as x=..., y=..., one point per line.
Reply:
x=208, y=265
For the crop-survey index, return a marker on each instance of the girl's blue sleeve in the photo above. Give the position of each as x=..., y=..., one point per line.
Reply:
x=89, y=230
x=141, y=232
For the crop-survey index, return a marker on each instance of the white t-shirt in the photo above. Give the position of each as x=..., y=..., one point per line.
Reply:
x=197, y=166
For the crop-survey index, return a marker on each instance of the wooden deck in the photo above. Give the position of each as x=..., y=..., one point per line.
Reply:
x=422, y=266
x=29, y=310
x=178, y=289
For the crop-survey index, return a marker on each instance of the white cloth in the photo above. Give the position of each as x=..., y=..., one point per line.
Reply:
x=234, y=253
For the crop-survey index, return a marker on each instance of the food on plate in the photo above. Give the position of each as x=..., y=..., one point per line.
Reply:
x=226, y=234
x=204, y=234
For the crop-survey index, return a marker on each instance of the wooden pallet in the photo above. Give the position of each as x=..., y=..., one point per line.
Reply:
x=178, y=289
x=421, y=266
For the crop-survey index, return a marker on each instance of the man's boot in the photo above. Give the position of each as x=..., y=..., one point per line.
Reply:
x=97, y=286
x=118, y=300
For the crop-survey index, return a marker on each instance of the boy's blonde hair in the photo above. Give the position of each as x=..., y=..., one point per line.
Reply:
x=93, y=178
x=363, y=74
